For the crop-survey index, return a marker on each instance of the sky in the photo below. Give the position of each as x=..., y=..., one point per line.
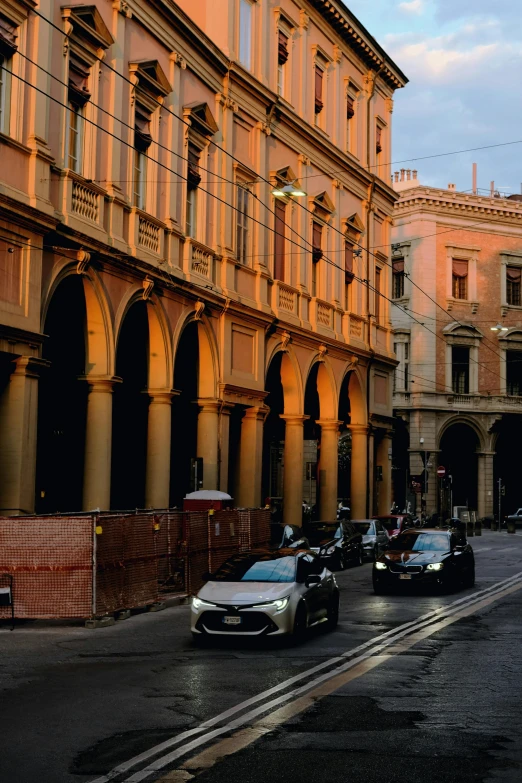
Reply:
x=463, y=59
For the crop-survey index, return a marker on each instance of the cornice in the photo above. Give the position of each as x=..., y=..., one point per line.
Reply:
x=21, y=214
x=460, y=205
x=359, y=39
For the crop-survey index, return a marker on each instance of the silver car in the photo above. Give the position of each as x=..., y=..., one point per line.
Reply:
x=263, y=593
x=374, y=536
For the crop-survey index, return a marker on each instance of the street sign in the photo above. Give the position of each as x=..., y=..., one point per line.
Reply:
x=441, y=471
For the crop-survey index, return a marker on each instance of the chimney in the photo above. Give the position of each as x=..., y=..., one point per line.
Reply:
x=474, y=180
x=492, y=188
x=396, y=175
x=415, y=172
x=402, y=174
x=452, y=186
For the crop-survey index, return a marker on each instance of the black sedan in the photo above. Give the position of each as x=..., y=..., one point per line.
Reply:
x=422, y=557
x=337, y=543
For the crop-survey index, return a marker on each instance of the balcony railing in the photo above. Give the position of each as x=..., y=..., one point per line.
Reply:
x=286, y=298
x=198, y=259
x=85, y=201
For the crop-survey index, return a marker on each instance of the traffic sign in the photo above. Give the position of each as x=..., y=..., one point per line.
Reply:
x=441, y=471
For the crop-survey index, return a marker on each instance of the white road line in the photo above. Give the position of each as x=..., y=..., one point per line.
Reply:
x=482, y=549
x=386, y=638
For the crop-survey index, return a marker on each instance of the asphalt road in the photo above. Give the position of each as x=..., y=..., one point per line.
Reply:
x=439, y=701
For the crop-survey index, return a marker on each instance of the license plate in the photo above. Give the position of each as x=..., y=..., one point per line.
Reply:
x=404, y=576
x=231, y=620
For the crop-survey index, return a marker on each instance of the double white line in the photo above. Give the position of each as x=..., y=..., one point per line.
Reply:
x=179, y=746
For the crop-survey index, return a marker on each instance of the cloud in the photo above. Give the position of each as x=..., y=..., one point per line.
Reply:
x=412, y=7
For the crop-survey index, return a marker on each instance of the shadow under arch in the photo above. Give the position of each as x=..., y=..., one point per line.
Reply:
x=459, y=443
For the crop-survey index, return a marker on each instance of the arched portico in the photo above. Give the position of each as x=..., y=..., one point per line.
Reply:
x=354, y=418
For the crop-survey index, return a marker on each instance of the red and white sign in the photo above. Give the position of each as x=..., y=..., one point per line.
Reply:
x=441, y=471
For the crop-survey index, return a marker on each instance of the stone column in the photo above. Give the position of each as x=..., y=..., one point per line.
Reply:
x=485, y=484
x=293, y=469
x=329, y=458
x=157, y=476
x=18, y=430
x=224, y=446
x=371, y=508
x=359, y=471
x=98, y=443
x=208, y=427
x=251, y=458
x=385, y=488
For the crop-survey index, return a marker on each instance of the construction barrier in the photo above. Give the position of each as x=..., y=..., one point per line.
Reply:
x=90, y=565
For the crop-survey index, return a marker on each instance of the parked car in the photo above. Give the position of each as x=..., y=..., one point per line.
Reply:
x=428, y=556
x=337, y=543
x=263, y=593
x=374, y=536
x=516, y=517
x=395, y=523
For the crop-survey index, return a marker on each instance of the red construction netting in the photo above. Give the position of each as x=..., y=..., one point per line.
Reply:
x=50, y=559
x=254, y=528
x=171, y=548
x=223, y=537
x=196, y=523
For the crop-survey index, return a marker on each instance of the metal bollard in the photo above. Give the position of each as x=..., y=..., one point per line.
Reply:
x=511, y=526
x=494, y=524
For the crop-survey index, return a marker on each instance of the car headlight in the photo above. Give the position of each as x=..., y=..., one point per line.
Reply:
x=380, y=566
x=434, y=566
x=198, y=603
x=330, y=550
x=279, y=604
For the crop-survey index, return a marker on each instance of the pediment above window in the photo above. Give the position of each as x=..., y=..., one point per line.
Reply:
x=201, y=118
x=513, y=338
x=322, y=206
x=150, y=78
x=458, y=333
x=353, y=226
x=87, y=25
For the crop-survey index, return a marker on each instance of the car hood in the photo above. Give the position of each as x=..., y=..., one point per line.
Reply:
x=414, y=558
x=244, y=592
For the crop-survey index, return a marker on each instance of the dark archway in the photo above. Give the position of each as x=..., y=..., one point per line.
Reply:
x=130, y=411
x=345, y=443
x=507, y=464
x=185, y=415
x=312, y=441
x=62, y=402
x=401, y=493
x=458, y=453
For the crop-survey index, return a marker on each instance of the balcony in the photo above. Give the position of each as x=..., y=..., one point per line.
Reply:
x=321, y=314
x=198, y=260
x=286, y=298
x=83, y=202
x=145, y=233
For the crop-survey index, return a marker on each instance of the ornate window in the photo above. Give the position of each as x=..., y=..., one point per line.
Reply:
x=397, y=278
x=514, y=373
x=317, y=254
x=318, y=91
x=201, y=128
x=460, y=279
x=513, y=281
x=8, y=47
x=243, y=222
x=462, y=357
x=282, y=57
x=279, y=239
x=460, y=369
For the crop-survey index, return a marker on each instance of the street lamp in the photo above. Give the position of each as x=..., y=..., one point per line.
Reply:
x=288, y=190
x=499, y=328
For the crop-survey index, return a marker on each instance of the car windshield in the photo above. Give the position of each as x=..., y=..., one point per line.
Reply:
x=322, y=532
x=421, y=542
x=362, y=527
x=252, y=567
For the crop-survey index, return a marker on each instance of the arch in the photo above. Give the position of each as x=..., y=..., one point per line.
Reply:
x=208, y=374
x=99, y=334
x=467, y=420
x=291, y=379
x=354, y=382
x=462, y=329
x=326, y=387
x=160, y=366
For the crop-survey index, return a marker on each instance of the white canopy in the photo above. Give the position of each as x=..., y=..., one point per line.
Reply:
x=208, y=494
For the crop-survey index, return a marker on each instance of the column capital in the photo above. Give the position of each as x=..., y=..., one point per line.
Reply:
x=329, y=424
x=259, y=412
x=209, y=404
x=162, y=396
x=100, y=383
x=359, y=429
x=294, y=418
x=31, y=366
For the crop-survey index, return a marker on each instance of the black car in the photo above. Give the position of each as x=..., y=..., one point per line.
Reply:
x=428, y=556
x=338, y=543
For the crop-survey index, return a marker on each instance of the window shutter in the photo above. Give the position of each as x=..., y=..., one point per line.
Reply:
x=348, y=262
x=8, y=37
x=78, y=80
x=282, y=48
x=514, y=273
x=460, y=268
x=142, y=137
x=398, y=266
x=317, y=241
x=378, y=140
x=318, y=106
x=279, y=241
x=350, y=111
x=193, y=175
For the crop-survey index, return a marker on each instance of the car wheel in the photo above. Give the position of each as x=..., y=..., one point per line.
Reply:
x=299, y=622
x=340, y=562
x=333, y=611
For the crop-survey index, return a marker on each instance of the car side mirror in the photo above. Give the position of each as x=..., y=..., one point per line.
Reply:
x=313, y=579
x=207, y=576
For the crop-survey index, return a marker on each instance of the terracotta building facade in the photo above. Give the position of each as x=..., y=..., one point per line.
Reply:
x=457, y=273
x=166, y=321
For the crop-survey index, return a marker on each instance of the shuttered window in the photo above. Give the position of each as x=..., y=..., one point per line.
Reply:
x=513, y=280
x=460, y=279
x=279, y=240
x=398, y=278
x=318, y=98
